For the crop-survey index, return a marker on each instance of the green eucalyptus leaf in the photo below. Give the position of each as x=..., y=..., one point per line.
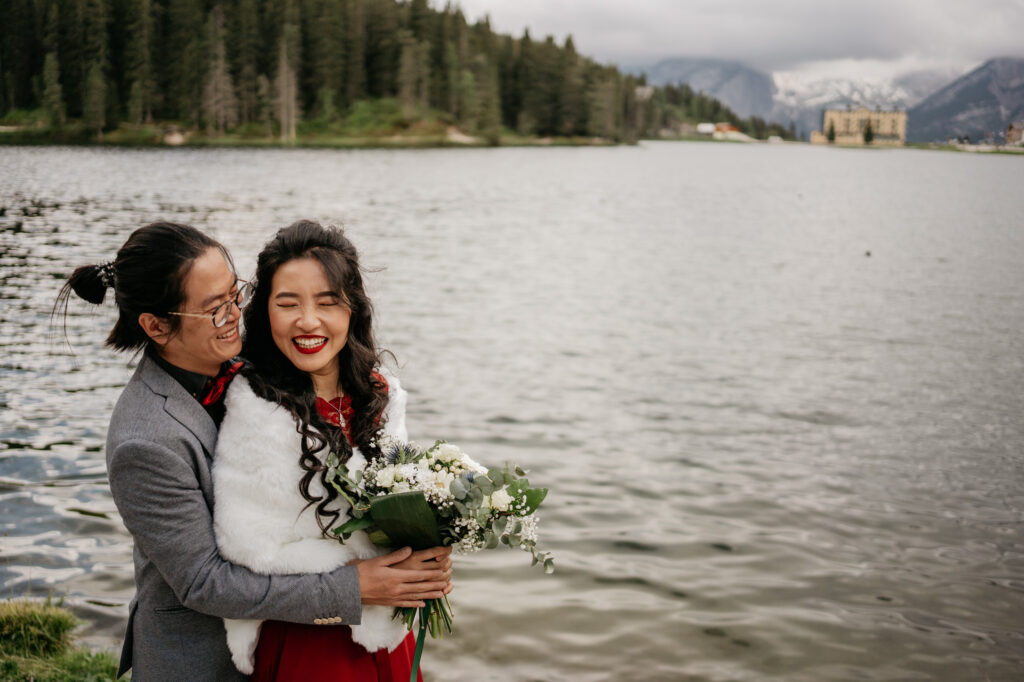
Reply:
x=499, y=524
x=549, y=566
x=504, y=539
x=458, y=488
x=520, y=471
x=484, y=484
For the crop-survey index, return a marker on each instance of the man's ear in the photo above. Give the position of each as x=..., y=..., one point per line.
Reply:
x=156, y=328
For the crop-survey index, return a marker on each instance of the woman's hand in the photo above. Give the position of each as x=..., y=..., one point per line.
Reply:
x=405, y=578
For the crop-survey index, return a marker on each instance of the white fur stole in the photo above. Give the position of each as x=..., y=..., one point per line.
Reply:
x=257, y=519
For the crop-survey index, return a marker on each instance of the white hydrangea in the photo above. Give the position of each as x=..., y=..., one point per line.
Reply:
x=407, y=472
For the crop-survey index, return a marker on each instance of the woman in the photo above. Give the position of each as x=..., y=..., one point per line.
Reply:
x=178, y=298
x=312, y=390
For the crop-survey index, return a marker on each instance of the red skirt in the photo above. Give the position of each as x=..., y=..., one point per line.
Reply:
x=293, y=652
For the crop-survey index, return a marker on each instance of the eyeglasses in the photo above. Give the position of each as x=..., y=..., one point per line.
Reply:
x=221, y=313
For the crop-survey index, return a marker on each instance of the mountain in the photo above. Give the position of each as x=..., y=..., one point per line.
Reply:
x=979, y=104
x=786, y=97
x=744, y=90
x=803, y=99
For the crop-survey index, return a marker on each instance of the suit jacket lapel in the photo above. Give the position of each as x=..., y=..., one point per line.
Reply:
x=179, y=404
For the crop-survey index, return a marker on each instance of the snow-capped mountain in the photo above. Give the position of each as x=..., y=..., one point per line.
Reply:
x=803, y=99
x=783, y=97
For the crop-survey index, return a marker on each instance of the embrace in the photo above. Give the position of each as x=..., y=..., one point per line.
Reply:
x=215, y=457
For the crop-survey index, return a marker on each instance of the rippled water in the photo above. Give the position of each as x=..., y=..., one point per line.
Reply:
x=776, y=390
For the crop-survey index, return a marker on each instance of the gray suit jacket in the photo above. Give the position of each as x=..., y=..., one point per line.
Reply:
x=159, y=447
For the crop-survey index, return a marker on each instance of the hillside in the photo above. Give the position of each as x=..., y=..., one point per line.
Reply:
x=977, y=105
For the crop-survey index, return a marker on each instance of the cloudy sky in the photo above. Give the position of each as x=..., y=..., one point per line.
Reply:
x=865, y=38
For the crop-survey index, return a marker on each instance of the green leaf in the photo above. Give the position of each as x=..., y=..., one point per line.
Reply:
x=491, y=539
x=352, y=525
x=549, y=566
x=484, y=485
x=499, y=524
x=379, y=538
x=458, y=488
x=504, y=539
x=520, y=471
x=407, y=519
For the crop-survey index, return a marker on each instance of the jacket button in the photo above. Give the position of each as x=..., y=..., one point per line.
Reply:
x=318, y=621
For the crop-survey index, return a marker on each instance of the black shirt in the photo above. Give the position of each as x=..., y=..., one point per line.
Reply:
x=196, y=384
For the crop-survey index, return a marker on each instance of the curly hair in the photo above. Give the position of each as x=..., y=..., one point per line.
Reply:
x=273, y=377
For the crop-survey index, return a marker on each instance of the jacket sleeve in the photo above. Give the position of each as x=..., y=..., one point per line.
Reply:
x=163, y=507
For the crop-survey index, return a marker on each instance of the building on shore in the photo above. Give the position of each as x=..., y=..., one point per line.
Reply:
x=1015, y=133
x=849, y=127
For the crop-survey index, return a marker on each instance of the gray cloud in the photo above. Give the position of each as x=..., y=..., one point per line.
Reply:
x=772, y=34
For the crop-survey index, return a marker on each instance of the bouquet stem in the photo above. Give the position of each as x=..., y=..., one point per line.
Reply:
x=419, y=644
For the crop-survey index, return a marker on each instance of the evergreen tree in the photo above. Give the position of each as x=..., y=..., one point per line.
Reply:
x=355, y=52
x=467, y=108
x=490, y=105
x=523, y=87
x=286, y=85
x=139, y=62
x=382, y=48
x=94, y=31
x=95, y=106
x=248, y=44
x=53, y=99
x=831, y=131
x=419, y=20
x=325, y=53
x=185, y=59
x=413, y=74
x=869, y=133
x=574, y=111
x=220, y=105
x=265, y=104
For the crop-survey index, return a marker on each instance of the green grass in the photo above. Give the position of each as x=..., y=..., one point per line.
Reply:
x=35, y=646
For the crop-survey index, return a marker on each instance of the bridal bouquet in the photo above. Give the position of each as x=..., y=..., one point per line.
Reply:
x=438, y=496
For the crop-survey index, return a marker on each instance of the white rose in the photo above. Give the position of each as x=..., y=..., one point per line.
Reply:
x=446, y=452
x=470, y=465
x=500, y=500
x=386, y=477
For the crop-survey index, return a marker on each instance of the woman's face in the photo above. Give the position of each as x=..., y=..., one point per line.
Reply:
x=309, y=321
x=198, y=346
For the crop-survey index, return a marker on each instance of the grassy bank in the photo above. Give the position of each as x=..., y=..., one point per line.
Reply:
x=35, y=646
x=370, y=124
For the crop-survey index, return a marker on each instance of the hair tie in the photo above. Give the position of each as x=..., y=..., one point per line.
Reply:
x=107, y=274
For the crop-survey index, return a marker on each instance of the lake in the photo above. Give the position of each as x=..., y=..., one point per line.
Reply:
x=776, y=390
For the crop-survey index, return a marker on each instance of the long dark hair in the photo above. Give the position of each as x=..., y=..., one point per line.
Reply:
x=273, y=376
x=147, y=276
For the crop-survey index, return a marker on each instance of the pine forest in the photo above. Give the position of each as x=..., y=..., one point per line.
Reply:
x=287, y=70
